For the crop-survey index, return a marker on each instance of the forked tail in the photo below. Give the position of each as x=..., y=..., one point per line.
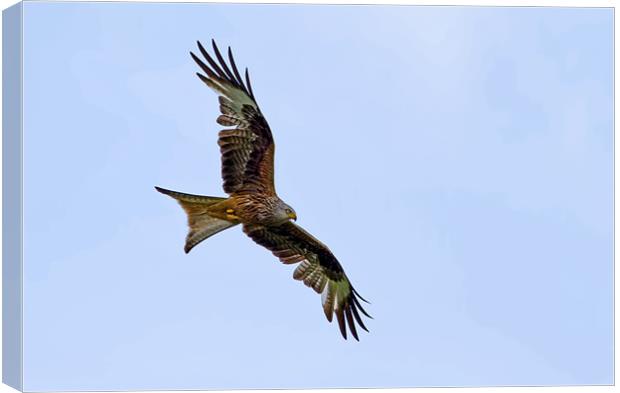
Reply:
x=201, y=224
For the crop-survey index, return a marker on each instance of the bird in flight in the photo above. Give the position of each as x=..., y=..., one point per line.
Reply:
x=247, y=151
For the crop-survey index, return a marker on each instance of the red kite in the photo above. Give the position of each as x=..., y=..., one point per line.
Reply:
x=247, y=170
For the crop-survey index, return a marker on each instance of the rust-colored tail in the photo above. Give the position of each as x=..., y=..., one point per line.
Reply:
x=201, y=224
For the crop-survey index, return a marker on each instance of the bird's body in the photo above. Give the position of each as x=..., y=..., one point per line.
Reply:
x=255, y=209
x=247, y=171
x=260, y=209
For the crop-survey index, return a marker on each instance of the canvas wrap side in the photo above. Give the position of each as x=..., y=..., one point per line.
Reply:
x=12, y=359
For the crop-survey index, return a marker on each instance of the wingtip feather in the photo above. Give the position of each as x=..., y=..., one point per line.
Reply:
x=350, y=322
x=360, y=296
x=357, y=316
x=341, y=322
x=220, y=58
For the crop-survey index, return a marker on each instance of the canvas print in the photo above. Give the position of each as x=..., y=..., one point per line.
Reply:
x=444, y=182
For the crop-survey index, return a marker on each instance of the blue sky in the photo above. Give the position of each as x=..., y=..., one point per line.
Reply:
x=458, y=162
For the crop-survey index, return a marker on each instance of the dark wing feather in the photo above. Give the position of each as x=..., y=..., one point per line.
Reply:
x=319, y=270
x=247, y=149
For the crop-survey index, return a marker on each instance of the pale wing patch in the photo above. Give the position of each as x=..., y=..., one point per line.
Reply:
x=238, y=98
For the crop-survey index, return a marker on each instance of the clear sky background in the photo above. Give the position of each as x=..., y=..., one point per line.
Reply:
x=457, y=161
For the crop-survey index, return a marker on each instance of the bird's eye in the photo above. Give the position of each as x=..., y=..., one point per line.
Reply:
x=288, y=211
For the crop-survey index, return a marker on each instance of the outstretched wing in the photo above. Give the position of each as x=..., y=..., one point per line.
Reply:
x=247, y=149
x=319, y=270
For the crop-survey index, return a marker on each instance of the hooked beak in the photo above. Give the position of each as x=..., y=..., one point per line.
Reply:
x=292, y=216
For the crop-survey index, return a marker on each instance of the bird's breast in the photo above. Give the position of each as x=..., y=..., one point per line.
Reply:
x=256, y=209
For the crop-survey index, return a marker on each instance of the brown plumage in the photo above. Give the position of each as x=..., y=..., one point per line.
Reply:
x=247, y=151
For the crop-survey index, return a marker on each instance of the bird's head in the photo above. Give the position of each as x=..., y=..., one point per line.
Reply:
x=285, y=212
